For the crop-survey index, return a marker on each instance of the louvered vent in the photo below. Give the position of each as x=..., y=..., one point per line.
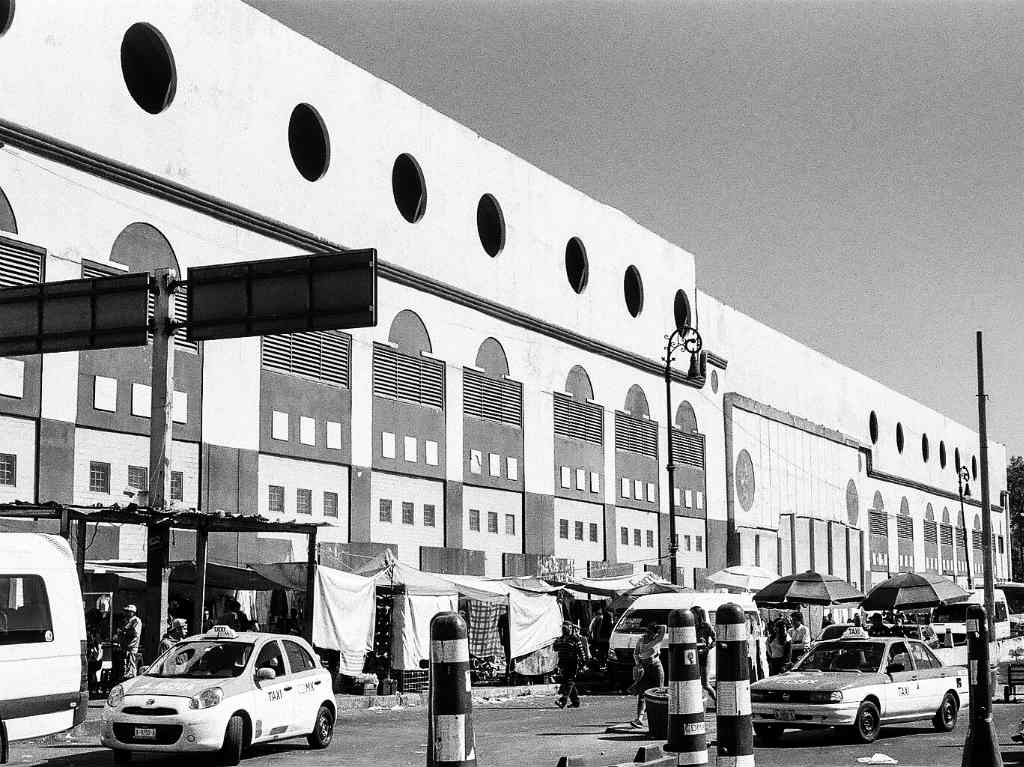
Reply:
x=403, y=376
x=688, y=448
x=931, y=532
x=905, y=528
x=494, y=399
x=878, y=523
x=19, y=264
x=637, y=435
x=578, y=420
x=976, y=539
x=946, y=532
x=322, y=355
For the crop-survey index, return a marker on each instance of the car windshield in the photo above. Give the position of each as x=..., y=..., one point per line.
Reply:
x=950, y=614
x=203, y=660
x=843, y=656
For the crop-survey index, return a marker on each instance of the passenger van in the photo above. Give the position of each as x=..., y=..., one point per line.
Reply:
x=43, y=672
x=656, y=607
x=952, y=618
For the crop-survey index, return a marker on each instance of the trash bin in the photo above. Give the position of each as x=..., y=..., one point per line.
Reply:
x=657, y=712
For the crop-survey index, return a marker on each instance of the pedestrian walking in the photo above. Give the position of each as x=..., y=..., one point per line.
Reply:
x=779, y=648
x=177, y=631
x=598, y=638
x=705, y=643
x=129, y=634
x=648, y=671
x=571, y=657
x=801, y=636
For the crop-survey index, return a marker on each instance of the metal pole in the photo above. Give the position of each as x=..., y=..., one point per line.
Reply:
x=981, y=747
x=963, y=516
x=986, y=506
x=311, y=565
x=199, y=595
x=673, y=539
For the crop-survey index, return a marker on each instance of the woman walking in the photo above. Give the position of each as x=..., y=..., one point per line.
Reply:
x=779, y=648
x=648, y=670
x=705, y=643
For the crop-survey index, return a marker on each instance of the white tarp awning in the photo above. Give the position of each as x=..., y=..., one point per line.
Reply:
x=410, y=626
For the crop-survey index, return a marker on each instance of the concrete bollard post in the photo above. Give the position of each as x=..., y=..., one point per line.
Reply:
x=450, y=739
x=735, y=726
x=982, y=744
x=687, y=729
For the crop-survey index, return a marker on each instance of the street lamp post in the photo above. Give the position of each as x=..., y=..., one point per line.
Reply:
x=963, y=476
x=689, y=340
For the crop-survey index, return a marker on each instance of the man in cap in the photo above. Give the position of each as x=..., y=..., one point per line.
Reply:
x=129, y=634
x=177, y=631
x=571, y=657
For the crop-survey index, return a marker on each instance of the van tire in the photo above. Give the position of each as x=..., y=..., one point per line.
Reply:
x=121, y=756
x=234, y=741
x=323, y=730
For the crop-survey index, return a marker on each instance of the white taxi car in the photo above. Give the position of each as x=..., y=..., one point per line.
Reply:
x=222, y=691
x=860, y=682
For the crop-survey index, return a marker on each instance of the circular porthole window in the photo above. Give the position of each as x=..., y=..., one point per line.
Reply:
x=942, y=454
x=873, y=427
x=146, y=63
x=577, y=268
x=924, y=448
x=6, y=15
x=899, y=437
x=409, y=188
x=490, y=225
x=308, y=142
x=633, y=291
x=681, y=310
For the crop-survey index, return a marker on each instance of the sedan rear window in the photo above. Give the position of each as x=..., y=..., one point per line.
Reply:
x=203, y=660
x=843, y=656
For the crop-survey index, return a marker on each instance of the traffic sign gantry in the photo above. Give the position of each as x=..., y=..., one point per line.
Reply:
x=283, y=295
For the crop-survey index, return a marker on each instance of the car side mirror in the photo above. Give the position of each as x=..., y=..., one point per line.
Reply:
x=265, y=674
x=895, y=668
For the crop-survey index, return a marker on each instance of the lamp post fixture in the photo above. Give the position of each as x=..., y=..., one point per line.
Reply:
x=963, y=476
x=689, y=340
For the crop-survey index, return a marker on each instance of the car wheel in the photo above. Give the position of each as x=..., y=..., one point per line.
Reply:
x=323, y=730
x=945, y=718
x=234, y=742
x=868, y=722
x=768, y=733
x=121, y=756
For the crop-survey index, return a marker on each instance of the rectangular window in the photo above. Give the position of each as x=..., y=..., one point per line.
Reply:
x=637, y=538
x=474, y=520
x=757, y=551
x=577, y=530
x=566, y=476
x=650, y=492
x=410, y=449
x=99, y=477
x=138, y=477
x=699, y=497
x=476, y=460
x=563, y=529
x=27, y=609
x=593, y=532
x=303, y=501
x=494, y=464
x=8, y=469
x=650, y=539
x=510, y=524
x=385, y=510
x=177, y=486
x=387, y=444
x=699, y=541
x=677, y=496
x=595, y=482
x=279, y=425
x=492, y=521
x=104, y=394
x=142, y=400
x=581, y=479
x=307, y=431
x=999, y=539
x=275, y=499
x=638, y=489
x=429, y=514
x=331, y=505
x=333, y=435
x=179, y=407
x=688, y=499
x=430, y=452
x=12, y=378
x=512, y=468
x=624, y=535
x=408, y=513
x=624, y=489
x=687, y=543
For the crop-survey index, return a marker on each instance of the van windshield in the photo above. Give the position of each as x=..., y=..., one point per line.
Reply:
x=635, y=621
x=203, y=660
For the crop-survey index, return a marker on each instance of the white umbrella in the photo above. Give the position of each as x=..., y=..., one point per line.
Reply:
x=744, y=577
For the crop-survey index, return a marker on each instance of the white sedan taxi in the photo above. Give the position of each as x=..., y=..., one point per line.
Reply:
x=862, y=683
x=221, y=692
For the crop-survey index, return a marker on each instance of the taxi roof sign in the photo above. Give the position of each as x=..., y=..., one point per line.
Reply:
x=855, y=632
x=222, y=632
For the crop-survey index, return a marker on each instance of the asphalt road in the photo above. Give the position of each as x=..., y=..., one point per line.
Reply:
x=532, y=732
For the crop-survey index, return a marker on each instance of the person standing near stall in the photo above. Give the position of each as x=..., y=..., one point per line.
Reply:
x=801, y=636
x=648, y=672
x=571, y=657
x=128, y=637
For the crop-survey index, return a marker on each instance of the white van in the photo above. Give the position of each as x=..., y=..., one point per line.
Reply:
x=43, y=673
x=656, y=607
x=952, y=618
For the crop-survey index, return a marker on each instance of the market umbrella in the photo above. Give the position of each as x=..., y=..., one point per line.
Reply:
x=807, y=588
x=744, y=577
x=910, y=591
x=626, y=598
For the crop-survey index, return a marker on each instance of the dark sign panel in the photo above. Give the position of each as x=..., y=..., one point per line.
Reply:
x=336, y=290
x=99, y=313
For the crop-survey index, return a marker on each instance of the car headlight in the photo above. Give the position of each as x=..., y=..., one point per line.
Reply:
x=835, y=696
x=116, y=696
x=207, y=698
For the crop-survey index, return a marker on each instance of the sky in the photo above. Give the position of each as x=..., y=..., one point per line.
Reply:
x=850, y=173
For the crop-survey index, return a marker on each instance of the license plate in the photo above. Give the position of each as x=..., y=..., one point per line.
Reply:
x=146, y=732
x=786, y=716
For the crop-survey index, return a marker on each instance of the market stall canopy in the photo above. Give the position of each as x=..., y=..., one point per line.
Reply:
x=742, y=577
x=807, y=588
x=626, y=598
x=218, y=576
x=911, y=591
x=610, y=587
x=531, y=583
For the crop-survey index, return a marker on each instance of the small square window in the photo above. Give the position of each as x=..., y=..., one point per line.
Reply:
x=331, y=505
x=142, y=400
x=275, y=499
x=430, y=452
x=99, y=477
x=476, y=460
x=385, y=510
x=512, y=468
x=494, y=464
x=688, y=499
x=595, y=482
x=8, y=469
x=581, y=479
x=408, y=513
x=303, y=501
x=12, y=378
x=510, y=524
x=492, y=521
x=474, y=520
x=638, y=489
x=179, y=407
x=624, y=490
x=177, y=486
x=333, y=435
x=650, y=539
x=650, y=492
x=577, y=530
x=624, y=535
x=563, y=529
x=307, y=431
x=637, y=539
x=699, y=499
x=699, y=541
x=104, y=394
x=410, y=449
x=594, y=532
x=138, y=478
x=387, y=444
x=566, y=477
x=279, y=425
x=687, y=543
x=429, y=515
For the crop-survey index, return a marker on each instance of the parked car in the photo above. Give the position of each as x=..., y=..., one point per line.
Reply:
x=862, y=683
x=222, y=691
